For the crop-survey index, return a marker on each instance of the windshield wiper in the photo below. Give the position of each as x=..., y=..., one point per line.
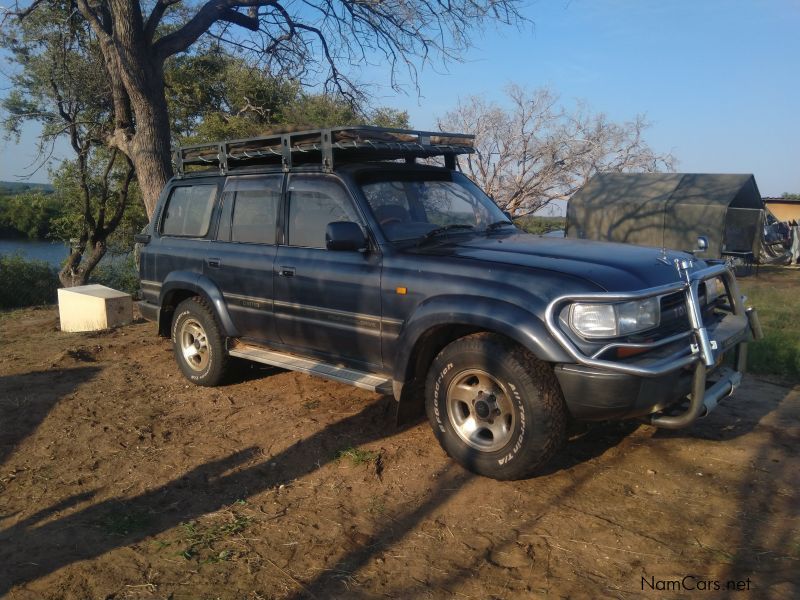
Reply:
x=439, y=230
x=498, y=225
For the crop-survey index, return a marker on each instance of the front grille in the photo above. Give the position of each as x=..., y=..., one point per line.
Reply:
x=673, y=307
x=671, y=301
x=673, y=312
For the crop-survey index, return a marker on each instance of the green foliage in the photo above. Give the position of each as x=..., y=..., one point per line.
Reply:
x=26, y=282
x=118, y=273
x=60, y=82
x=70, y=223
x=12, y=188
x=215, y=95
x=30, y=214
x=357, y=456
x=59, y=67
x=200, y=541
x=788, y=196
x=539, y=225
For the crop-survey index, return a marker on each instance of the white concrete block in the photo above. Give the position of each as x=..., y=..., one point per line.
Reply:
x=93, y=307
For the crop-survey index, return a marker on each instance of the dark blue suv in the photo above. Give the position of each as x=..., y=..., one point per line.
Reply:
x=338, y=253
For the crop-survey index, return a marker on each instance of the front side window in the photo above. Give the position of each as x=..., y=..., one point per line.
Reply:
x=188, y=212
x=313, y=203
x=410, y=205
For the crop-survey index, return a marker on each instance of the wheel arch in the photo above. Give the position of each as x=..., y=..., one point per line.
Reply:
x=181, y=285
x=437, y=324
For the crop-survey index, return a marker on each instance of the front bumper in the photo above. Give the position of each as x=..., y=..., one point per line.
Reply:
x=686, y=364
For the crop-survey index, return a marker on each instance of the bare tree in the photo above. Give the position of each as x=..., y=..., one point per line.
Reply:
x=316, y=40
x=535, y=151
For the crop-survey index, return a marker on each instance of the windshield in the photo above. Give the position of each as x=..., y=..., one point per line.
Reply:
x=412, y=205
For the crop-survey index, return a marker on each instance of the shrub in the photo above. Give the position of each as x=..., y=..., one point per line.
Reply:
x=26, y=282
x=118, y=273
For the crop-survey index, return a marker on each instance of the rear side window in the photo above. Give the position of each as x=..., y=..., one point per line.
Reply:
x=313, y=203
x=188, y=212
x=255, y=209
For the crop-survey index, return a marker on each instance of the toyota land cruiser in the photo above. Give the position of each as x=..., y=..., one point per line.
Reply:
x=336, y=252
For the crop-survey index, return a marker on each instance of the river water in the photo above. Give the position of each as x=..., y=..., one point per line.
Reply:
x=51, y=252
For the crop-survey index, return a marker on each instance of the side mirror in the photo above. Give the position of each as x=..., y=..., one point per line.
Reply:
x=142, y=238
x=345, y=235
x=508, y=216
x=702, y=243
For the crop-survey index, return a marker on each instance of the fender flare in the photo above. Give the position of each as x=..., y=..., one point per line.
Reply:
x=202, y=286
x=489, y=314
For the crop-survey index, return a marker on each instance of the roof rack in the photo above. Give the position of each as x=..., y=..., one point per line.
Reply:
x=321, y=146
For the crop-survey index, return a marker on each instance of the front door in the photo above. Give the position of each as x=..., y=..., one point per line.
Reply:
x=240, y=259
x=327, y=302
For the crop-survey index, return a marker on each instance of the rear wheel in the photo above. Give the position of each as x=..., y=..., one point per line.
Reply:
x=198, y=344
x=494, y=407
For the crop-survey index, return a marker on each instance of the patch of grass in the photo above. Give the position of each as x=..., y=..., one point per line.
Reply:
x=201, y=541
x=357, y=456
x=376, y=506
x=775, y=294
x=125, y=522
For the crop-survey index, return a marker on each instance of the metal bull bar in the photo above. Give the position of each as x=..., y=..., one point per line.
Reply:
x=702, y=352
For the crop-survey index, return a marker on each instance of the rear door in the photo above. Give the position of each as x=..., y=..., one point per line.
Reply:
x=240, y=259
x=183, y=230
x=326, y=302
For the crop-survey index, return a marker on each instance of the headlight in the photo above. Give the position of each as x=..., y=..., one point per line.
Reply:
x=614, y=320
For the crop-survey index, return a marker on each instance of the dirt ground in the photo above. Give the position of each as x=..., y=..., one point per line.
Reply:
x=119, y=480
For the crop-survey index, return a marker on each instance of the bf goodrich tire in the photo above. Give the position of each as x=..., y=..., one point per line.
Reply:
x=198, y=344
x=494, y=407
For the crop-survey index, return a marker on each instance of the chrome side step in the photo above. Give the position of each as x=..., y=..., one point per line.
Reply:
x=367, y=381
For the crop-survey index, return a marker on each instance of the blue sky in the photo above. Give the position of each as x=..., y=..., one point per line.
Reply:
x=719, y=81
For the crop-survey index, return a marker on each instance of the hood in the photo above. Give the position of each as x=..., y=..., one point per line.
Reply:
x=614, y=267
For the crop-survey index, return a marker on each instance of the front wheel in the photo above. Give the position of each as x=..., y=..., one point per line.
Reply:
x=198, y=345
x=494, y=407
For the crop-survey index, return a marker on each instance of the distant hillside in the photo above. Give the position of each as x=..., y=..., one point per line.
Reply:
x=13, y=188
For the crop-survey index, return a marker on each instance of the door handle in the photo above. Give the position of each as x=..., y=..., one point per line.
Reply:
x=214, y=263
x=286, y=271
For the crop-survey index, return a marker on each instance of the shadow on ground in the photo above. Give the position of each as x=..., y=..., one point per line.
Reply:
x=33, y=551
x=25, y=401
x=36, y=547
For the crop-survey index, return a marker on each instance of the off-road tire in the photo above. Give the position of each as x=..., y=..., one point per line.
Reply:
x=539, y=413
x=195, y=311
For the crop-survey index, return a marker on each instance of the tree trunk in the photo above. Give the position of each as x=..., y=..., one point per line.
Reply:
x=136, y=75
x=149, y=150
x=76, y=271
x=148, y=145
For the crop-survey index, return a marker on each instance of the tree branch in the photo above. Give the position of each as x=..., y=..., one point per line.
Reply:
x=154, y=19
x=122, y=200
x=21, y=13
x=209, y=13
